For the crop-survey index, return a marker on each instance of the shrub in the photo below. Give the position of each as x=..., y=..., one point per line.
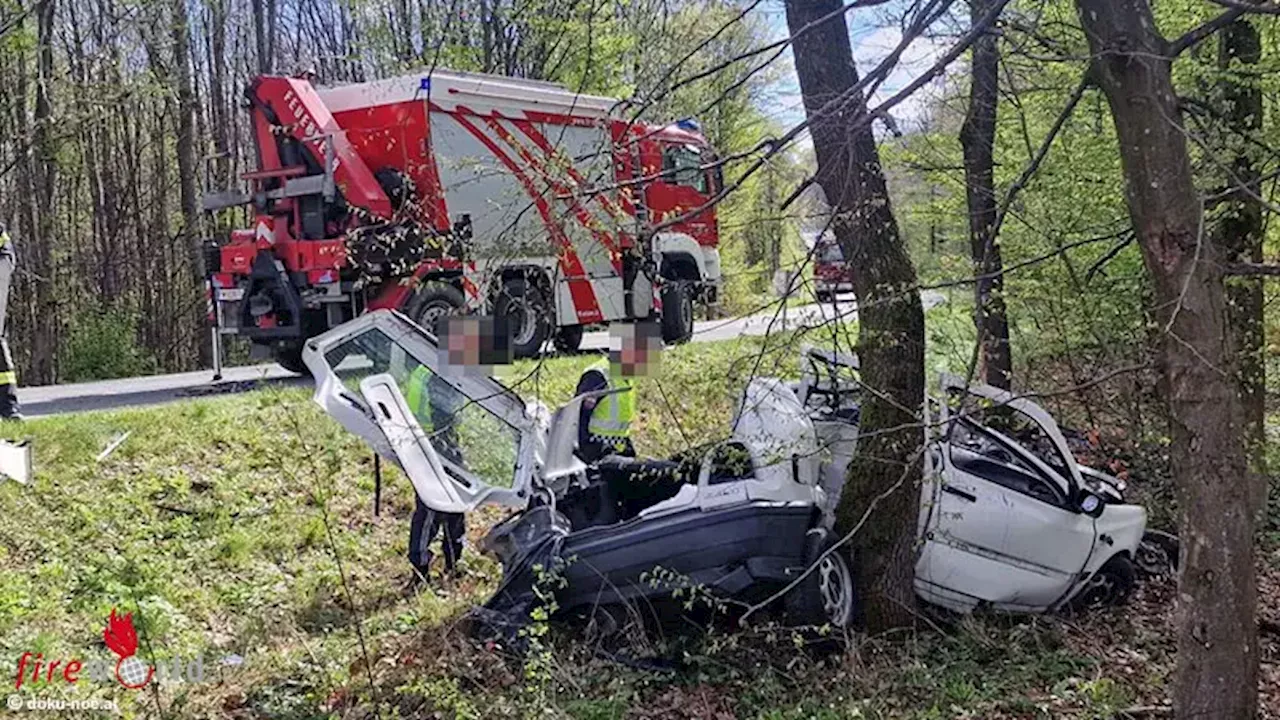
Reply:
x=104, y=345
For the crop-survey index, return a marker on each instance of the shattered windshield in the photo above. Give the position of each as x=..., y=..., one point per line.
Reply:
x=463, y=432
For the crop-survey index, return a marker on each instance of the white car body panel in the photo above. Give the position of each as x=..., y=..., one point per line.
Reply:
x=984, y=543
x=774, y=426
x=377, y=411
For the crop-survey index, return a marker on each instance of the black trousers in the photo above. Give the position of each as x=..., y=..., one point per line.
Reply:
x=8, y=373
x=422, y=531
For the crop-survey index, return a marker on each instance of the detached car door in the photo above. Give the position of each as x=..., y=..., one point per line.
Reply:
x=1003, y=528
x=462, y=438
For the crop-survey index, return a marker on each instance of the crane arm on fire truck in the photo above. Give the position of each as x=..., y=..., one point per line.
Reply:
x=288, y=115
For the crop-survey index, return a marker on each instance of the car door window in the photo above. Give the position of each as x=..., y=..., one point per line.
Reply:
x=465, y=434
x=1014, y=426
x=982, y=454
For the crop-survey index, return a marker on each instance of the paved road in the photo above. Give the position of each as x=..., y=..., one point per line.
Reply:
x=151, y=390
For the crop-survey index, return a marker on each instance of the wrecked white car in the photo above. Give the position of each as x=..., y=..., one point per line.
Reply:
x=741, y=518
x=1008, y=518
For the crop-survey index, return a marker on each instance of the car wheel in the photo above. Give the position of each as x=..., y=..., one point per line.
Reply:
x=525, y=309
x=568, y=338
x=1157, y=553
x=433, y=300
x=677, y=312
x=824, y=296
x=1111, y=585
x=827, y=595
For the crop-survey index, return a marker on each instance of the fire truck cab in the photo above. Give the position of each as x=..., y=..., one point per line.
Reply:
x=448, y=192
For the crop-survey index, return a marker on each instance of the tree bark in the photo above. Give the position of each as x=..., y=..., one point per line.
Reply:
x=217, y=30
x=891, y=320
x=260, y=31
x=1217, y=670
x=44, y=340
x=192, y=231
x=1239, y=234
x=977, y=138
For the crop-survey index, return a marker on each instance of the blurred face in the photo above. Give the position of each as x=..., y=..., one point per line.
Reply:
x=635, y=348
x=461, y=342
x=474, y=343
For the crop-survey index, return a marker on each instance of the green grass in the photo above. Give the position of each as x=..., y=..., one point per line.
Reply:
x=221, y=522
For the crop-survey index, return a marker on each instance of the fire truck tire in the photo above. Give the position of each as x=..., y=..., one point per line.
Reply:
x=433, y=300
x=525, y=308
x=677, y=312
x=289, y=357
x=568, y=338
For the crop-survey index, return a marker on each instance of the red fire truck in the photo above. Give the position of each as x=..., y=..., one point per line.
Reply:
x=447, y=192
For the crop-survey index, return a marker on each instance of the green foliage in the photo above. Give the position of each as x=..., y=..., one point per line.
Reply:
x=104, y=345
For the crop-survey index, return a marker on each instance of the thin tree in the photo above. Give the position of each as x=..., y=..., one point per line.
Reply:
x=977, y=138
x=192, y=228
x=1217, y=669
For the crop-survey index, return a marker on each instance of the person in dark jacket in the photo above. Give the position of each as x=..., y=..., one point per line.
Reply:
x=8, y=373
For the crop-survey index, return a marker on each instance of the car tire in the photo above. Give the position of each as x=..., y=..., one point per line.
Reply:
x=568, y=338
x=433, y=300
x=289, y=356
x=525, y=308
x=1157, y=554
x=677, y=312
x=1111, y=585
x=827, y=595
x=824, y=296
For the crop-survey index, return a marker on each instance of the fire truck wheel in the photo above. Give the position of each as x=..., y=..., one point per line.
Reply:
x=434, y=300
x=677, y=312
x=525, y=308
x=568, y=338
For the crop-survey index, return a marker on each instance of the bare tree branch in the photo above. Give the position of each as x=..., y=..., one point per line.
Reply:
x=1250, y=269
x=1261, y=8
x=1200, y=32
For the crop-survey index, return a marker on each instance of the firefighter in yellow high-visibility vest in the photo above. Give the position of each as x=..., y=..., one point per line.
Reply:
x=434, y=403
x=8, y=374
x=604, y=427
x=467, y=345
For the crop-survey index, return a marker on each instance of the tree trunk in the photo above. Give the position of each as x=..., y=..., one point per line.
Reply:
x=44, y=340
x=891, y=321
x=1239, y=234
x=272, y=14
x=260, y=31
x=977, y=137
x=1217, y=672
x=192, y=231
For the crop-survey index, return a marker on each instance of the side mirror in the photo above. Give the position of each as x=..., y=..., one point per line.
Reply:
x=1091, y=504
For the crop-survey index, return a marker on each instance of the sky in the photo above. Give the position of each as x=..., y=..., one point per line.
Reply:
x=873, y=32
